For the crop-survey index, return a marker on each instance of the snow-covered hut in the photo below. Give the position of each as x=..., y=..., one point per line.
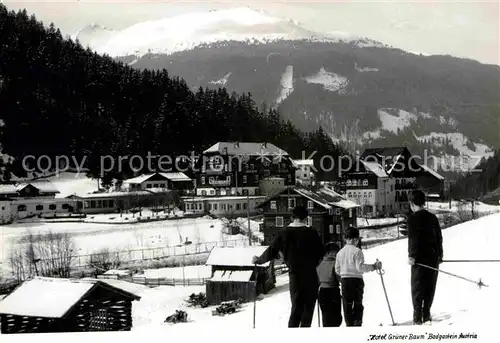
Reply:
x=44, y=305
x=235, y=277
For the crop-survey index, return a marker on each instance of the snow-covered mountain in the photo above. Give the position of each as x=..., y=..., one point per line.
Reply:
x=184, y=32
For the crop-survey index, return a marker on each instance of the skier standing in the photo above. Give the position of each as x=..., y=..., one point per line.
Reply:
x=302, y=251
x=329, y=297
x=425, y=246
x=350, y=265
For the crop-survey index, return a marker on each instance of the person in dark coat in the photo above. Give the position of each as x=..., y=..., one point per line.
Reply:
x=329, y=298
x=302, y=251
x=425, y=246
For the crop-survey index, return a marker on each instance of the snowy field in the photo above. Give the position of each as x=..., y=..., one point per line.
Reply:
x=90, y=238
x=457, y=302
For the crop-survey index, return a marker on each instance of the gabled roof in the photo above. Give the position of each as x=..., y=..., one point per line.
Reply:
x=375, y=168
x=174, y=176
x=304, y=162
x=235, y=257
x=246, y=148
x=432, y=172
x=52, y=297
x=385, y=152
x=42, y=186
x=324, y=197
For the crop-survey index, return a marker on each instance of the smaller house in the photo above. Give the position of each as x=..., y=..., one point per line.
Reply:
x=171, y=181
x=235, y=277
x=49, y=305
x=304, y=175
x=329, y=212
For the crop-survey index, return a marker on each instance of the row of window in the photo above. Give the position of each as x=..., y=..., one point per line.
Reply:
x=52, y=207
x=292, y=204
x=244, y=178
x=279, y=221
x=217, y=192
x=359, y=194
x=155, y=185
x=217, y=206
x=99, y=204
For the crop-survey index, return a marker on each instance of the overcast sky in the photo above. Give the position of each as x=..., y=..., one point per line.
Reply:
x=460, y=28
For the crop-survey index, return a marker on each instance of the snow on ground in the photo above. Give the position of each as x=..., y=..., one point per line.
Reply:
x=457, y=302
x=471, y=157
x=330, y=81
x=90, y=238
x=188, y=272
x=286, y=84
x=362, y=222
x=364, y=69
x=222, y=81
x=73, y=183
x=479, y=207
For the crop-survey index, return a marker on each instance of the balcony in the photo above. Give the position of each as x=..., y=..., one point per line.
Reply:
x=220, y=183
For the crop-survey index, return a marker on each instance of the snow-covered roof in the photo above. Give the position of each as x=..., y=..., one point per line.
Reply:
x=432, y=172
x=232, y=275
x=43, y=186
x=174, y=176
x=48, y=297
x=123, y=194
x=375, y=168
x=246, y=149
x=8, y=189
x=304, y=162
x=177, y=176
x=237, y=256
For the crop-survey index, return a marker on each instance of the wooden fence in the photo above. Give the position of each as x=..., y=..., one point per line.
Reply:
x=142, y=280
x=218, y=292
x=155, y=253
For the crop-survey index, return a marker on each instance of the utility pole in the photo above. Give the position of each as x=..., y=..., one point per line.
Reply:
x=248, y=216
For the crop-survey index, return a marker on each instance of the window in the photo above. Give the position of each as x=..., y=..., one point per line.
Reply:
x=245, y=179
x=162, y=185
x=279, y=221
x=349, y=183
x=200, y=206
x=256, y=178
x=369, y=194
x=310, y=205
x=202, y=180
x=210, y=207
x=305, y=176
x=228, y=178
x=98, y=320
x=223, y=207
x=148, y=185
x=244, y=205
x=211, y=180
x=37, y=208
x=215, y=207
x=238, y=207
x=309, y=221
x=273, y=205
x=392, y=187
x=64, y=206
x=52, y=207
x=86, y=204
x=252, y=166
x=330, y=228
x=291, y=203
x=365, y=182
x=364, y=194
x=245, y=192
x=3, y=208
x=21, y=208
x=155, y=185
x=349, y=194
x=212, y=192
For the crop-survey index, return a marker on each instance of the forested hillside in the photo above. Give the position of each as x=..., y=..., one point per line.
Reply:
x=57, y=98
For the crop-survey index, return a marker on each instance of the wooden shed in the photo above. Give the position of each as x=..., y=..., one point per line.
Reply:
x=234, y=276
x=44, y=305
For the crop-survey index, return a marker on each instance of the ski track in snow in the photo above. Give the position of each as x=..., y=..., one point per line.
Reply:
x=330, y=81
x=286, y=84
x=221, y=81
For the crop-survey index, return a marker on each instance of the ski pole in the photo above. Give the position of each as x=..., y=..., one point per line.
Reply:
x=381, y=272
x=255, y=298
x=471, y=260
x=319, y=320
x=478, y=283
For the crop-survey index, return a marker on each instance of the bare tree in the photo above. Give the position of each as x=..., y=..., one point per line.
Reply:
x=104, y=260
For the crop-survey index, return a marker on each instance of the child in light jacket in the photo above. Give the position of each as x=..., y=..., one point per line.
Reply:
x=329, y=298
x=350, y=266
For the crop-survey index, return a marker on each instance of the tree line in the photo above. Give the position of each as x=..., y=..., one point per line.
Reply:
x=59, y=99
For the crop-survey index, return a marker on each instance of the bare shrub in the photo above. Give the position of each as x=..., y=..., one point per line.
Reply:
x=104, y=260
x=49, y=254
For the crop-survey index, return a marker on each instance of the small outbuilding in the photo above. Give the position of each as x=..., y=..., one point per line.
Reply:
x=235, y=277
x=47, y=305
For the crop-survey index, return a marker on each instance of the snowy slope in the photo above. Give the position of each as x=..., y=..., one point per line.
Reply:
x=457, y=302
x=286, y=84
x=187, y=31
x=330, y=81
